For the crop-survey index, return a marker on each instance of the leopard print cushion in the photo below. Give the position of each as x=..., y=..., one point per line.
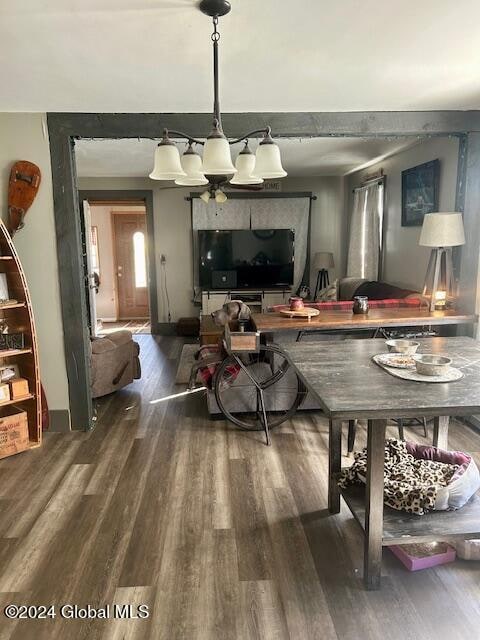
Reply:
x=410, y=484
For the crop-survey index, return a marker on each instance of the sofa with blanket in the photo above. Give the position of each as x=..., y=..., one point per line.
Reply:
x=340, y=294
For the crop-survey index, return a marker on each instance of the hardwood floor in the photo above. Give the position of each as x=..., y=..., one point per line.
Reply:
x=219, y=535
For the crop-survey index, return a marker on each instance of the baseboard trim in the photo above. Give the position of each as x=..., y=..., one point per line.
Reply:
x=59, y=420
x=108, y=319
x=166, y=329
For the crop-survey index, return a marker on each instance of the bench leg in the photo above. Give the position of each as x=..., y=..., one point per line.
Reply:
x=334, y=464
x=372, y=560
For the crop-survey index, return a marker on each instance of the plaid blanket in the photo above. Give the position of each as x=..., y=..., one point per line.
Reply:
x=346, y=305
x=207, y=372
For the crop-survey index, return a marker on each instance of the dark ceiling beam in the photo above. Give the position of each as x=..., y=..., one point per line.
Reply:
x=302, y=124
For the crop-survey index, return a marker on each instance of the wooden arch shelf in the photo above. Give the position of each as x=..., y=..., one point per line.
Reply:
x=19, y=318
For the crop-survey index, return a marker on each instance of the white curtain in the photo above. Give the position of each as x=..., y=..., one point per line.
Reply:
x=366, y=228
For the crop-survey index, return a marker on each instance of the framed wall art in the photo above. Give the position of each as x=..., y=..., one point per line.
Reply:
x=420, y=192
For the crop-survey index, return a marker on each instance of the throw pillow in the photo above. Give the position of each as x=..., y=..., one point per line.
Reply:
x=330, y=293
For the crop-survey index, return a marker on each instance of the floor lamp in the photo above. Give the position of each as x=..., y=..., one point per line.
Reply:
x=322, y=262
x=441, y=232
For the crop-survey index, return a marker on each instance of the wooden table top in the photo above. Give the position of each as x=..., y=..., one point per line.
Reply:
x=348, y=384
x=345, y=320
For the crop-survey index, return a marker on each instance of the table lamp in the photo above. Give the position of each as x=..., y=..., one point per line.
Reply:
x=441, y=231
x=322, y=262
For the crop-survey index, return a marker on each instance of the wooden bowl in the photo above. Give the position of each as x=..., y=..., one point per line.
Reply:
x=432, y=365
x=407, y=347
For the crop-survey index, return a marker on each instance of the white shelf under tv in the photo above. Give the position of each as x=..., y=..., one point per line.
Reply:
x=257, y=299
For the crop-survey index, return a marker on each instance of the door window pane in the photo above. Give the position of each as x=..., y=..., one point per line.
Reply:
x=139, y=259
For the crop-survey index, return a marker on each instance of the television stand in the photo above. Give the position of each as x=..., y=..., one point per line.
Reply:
x=257, y=299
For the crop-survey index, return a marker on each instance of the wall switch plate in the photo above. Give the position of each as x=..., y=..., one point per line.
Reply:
x=163, y=258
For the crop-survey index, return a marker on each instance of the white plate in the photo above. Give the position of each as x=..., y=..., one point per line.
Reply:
x=388, y=360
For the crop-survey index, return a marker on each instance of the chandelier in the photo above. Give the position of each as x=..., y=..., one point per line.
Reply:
x=216, y=168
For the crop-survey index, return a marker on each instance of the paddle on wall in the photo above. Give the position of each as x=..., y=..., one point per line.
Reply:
x=24, y=182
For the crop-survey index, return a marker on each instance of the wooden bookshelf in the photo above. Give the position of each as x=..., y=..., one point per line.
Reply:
x=19, y=318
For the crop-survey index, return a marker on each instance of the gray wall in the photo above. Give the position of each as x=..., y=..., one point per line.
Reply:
x=24, y=137
x=405, y=262
x=174, y=239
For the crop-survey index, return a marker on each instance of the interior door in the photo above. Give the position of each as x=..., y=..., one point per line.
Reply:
x=130, y=239
x=90, y=276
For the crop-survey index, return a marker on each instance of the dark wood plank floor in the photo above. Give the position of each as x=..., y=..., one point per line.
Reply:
x=221, y=536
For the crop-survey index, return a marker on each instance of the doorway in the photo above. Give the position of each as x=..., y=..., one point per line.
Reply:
x=65, y=128
x=130, y=265
x=117, y=234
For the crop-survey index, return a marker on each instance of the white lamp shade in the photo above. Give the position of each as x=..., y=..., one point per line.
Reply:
x=217, y=159
x=323, y=260
x=269, y=162
x=167, y=163
x=245, y=165
x=192, y=165
x=442, y=230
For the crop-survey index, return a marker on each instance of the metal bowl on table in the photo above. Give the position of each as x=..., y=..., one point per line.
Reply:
x=407, y=347
x=432, y=365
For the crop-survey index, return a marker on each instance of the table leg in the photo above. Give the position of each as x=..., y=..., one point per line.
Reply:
x=334, y=464
x=372, y=561
x=440, y=432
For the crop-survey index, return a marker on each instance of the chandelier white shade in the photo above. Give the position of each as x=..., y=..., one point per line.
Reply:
x=442, y=230
x=217, y=159
x=245, y=166
x=192, y=166
x=268, y=161
x=167, y=162
x=217, y=167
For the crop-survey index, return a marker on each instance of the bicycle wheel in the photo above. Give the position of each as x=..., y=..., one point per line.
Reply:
x=237, y=388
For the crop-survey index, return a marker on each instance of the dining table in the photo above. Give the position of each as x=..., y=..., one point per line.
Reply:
x=349, y=385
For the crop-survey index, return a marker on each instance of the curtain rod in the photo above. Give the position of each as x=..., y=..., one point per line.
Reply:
x=367, y=183
x=264, y=195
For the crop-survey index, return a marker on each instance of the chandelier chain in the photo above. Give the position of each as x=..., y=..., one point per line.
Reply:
x=215, y=35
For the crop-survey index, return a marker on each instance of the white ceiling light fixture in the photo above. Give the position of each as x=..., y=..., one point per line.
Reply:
x=191, y=164
x=217, y=167
x=245, y=166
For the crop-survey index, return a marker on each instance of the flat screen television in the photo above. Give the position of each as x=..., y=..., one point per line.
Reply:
x=246, y=259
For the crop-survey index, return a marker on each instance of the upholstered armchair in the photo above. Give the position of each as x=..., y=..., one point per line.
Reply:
x=114, y=362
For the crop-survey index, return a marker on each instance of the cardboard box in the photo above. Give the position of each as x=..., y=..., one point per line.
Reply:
x=18, y=388
x=4, y=392
x=13, y=433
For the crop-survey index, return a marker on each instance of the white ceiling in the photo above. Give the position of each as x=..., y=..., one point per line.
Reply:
x=276, y=55
x=311, y=157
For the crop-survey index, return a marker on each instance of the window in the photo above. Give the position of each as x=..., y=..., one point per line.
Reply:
x=366, y=232
x=139, y=259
